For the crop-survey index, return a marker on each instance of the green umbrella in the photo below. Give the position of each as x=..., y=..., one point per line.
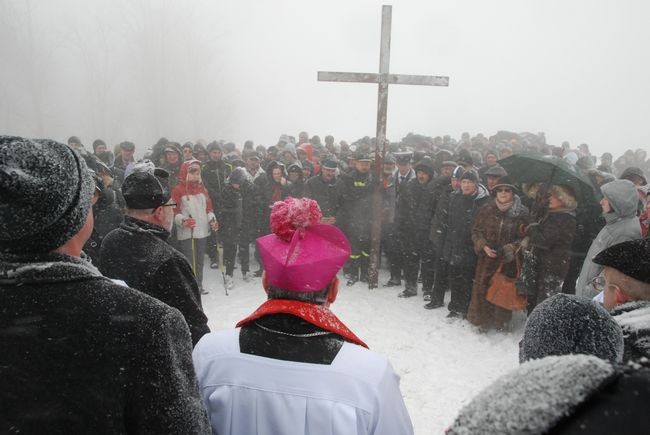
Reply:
x=535, y=167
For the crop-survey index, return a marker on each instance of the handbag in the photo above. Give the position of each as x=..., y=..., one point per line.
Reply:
x=502, y=291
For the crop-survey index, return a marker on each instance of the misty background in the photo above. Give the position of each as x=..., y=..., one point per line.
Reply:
x=236, y=70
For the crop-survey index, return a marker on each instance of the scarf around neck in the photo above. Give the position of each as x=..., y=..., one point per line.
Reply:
x=317, y=315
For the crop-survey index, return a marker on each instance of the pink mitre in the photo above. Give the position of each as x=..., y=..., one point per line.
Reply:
x=301, y=254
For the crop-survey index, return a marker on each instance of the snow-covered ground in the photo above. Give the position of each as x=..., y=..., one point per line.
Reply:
x=442, y=363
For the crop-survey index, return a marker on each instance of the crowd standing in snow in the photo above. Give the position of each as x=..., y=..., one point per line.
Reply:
x=453, y=218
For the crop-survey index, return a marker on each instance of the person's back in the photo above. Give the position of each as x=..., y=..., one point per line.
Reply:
x=80, y=354
x=358, y=393
x=292, y=367
x=84, y=355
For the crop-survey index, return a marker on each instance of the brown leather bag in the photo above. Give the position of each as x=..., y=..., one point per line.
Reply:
x=502, y=291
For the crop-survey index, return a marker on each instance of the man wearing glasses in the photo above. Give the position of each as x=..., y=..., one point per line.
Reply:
x=626, y=293
x=137, y=251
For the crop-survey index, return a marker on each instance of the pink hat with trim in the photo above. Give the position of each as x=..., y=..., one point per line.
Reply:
x=301, y=254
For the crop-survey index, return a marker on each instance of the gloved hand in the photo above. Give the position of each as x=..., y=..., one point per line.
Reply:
x=189, y=223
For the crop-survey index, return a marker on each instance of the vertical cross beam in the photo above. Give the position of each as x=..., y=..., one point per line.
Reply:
x=380, y=144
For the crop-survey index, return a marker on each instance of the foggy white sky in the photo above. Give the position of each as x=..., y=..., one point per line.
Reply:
x=237, y=70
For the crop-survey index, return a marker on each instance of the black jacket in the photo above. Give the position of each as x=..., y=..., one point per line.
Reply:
x=414, y=212
x=137, y=253
x=459, y=248
x=327, y=195
x=356, y=203
x=214, y=174
x=82, y=355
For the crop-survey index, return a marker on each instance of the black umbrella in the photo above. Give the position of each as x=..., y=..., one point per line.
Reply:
x=531, y=167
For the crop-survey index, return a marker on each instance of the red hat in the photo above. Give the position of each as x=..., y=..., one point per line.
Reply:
x=301, y=255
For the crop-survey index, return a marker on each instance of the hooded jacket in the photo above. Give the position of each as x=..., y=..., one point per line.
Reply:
x=192, y=200
x=622, y=226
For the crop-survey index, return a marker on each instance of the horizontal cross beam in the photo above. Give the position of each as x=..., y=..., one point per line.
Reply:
x=391, y=79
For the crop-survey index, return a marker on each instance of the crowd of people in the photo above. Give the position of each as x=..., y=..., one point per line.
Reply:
x=102, y=257
x=451, y=214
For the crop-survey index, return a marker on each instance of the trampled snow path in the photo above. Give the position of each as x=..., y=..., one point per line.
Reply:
x=442, y=363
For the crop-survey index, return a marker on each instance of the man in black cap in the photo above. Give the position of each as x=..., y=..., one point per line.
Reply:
x=492, y=176
x=253, y=165
x=405, y=172
x=137, y=252
x=626, y=293
x=80, y=353
x=325, y=190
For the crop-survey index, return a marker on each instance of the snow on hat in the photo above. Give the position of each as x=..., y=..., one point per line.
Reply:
x=630, y=258
x=45, y=194
x=146, y=187
x=301, y=255
x=568, y=324
x=535, y=397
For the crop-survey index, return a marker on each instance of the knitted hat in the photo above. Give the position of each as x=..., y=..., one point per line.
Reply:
x=630, y=258
x=301, y=255
x=470, y=175
x=633, y=171
x=568, y=324
x=458, y=172
x=238, y=176
x=146, y=188
x=425, y=165
x=45, y=194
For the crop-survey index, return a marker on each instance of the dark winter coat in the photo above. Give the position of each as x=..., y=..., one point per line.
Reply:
x=500, y=231
x=239, y=209
x=414, y=212
x=327, y=195
x=441, y=191
x=107, y=215
x=458, y=248
x=137, y=253
x=356, y=203
x=547, y=261
x=634, y=318
x=265, y=188
x=214, y=174
x=82, y=355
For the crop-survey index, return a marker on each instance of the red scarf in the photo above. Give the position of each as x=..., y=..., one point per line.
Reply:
x=317, y=315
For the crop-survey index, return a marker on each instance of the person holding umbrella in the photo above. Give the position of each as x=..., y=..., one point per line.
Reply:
x=548, y=243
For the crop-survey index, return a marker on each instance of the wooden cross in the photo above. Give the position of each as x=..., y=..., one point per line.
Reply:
x=383, y=79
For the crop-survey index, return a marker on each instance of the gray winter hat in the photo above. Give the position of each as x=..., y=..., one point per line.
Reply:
x=567, y=324
x=45, y=194
x=535, y=397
